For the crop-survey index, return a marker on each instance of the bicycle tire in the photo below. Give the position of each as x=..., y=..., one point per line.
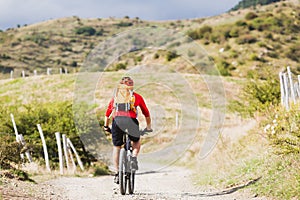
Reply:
x=122, y=171
x=131, y=182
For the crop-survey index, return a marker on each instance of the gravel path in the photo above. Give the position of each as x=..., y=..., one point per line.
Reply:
x=166, y=184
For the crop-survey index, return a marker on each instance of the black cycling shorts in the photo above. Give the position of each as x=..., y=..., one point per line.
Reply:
x=122, y=125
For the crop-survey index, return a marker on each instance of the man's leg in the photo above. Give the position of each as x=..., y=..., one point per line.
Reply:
x=136, y=148
x=116, y=153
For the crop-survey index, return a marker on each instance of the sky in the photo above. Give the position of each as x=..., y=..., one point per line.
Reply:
x=22, y=12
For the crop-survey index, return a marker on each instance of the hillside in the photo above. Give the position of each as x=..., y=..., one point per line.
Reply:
x=241, y=43
x=252, y=3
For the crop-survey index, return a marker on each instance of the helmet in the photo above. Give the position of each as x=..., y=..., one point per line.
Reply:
x=127, y=81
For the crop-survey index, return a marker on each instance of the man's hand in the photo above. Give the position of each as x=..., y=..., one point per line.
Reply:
x=146, y=131
x=107, y=129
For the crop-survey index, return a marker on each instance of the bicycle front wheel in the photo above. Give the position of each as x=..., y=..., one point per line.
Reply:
x=122, y=171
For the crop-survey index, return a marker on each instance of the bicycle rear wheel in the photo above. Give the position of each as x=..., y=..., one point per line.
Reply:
x=122, y=171
x=131, y=182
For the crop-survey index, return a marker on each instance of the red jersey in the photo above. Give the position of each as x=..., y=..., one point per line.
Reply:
x=139, y=101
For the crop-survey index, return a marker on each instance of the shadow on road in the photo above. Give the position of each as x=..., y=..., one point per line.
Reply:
x=223, y=192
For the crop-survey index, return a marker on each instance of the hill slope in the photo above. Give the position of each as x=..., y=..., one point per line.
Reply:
x=240, y=43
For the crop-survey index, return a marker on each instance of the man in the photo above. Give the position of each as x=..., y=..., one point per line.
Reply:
x=126, y=120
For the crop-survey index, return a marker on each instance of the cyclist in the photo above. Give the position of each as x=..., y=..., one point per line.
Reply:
x=126, y=120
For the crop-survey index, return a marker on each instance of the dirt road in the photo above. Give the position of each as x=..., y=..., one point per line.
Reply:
x=165, y=184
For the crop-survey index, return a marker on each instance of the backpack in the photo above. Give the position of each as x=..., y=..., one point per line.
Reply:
x=124, y=99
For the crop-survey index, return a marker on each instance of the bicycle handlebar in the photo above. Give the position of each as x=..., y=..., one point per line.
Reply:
x=145, y=131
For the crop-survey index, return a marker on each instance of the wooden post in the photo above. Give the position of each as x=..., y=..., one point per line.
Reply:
x=27, y=153
x=286, y=89
x=60, y=155
x=282, y=88
x=15, y=127
x=23, y=74
x=65, y=147
x=72, y=159
x=16, y=132
x=291, y=85
x=297, y=91
x=44, y=147
x=34, y=72
x=11, y=74
x=76, y=154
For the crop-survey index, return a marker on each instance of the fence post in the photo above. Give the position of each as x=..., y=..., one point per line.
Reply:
x=65, y=147
x=11, y=74
x=60, y=155
x=15, y=127
x=44, y=147
x=76, y=154
x=72, y=159
x=281, y=88
x=291, y=85
x=286, y=89
x=27, y=153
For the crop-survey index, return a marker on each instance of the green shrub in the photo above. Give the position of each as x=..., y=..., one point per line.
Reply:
x=124, y=24
x=294, y=53
x=283, y=130
x=9, y=151
x=120, y=66
x=53, y=117
x=171, y=55
x=246, y=39
x=86, y=30
x=200, y=33
x=241, y=23
x=250, y=16
x=257, y=96
x=100, y=169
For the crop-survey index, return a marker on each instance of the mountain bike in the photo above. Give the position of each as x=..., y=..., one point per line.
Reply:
x=126, y=171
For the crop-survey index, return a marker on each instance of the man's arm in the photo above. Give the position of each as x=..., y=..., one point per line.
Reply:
x=106, y=121
x=148, y=121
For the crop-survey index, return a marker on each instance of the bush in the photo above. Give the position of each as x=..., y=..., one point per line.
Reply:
x=86, y=30
x=100, y=169
x=9, y=151
x=246, y=39
x=53, y=117
x=294, y=53
x=257, y=96
x=120, y=66
x=171, y=55
x=283, y=130
x=250, y=16
x=224, y=68
x=200, y=33
x=124, y=24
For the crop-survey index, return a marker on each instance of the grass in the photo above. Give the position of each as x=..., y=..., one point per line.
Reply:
x=251, y=160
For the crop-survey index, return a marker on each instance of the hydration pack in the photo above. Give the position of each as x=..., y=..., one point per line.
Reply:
x=124, y=99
